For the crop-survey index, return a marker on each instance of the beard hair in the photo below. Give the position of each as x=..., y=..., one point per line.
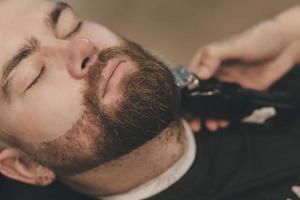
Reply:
x=150, y=102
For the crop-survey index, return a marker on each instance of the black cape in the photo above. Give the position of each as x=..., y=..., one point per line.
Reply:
x=244, y=162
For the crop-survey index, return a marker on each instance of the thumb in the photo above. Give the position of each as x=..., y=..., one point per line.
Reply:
x=208, y=60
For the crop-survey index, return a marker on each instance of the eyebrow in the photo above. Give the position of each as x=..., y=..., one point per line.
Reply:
x=26, y=50
x=54, y=15
x=29, y=48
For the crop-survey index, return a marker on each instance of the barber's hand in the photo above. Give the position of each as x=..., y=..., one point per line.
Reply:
x=212, y=125
x=255, y=59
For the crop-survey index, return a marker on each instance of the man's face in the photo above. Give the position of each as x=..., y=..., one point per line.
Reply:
x=73, y=94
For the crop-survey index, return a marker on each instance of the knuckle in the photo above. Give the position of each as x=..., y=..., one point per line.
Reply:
x=210, y=57
x=206, y=56
x=209, y=52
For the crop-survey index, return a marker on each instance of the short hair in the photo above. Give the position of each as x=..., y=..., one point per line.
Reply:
x=4, y=140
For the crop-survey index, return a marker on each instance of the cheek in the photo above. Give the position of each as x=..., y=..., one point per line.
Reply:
x=50, y=112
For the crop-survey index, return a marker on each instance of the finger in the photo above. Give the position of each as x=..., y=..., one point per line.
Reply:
x=212, y=125
x=195, y=125
x=205, y=63
x=208, y=60
x=195, y=60
x=223, y=123
x=226, y=74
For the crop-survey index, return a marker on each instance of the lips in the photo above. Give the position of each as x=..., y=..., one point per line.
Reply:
x=106, y=75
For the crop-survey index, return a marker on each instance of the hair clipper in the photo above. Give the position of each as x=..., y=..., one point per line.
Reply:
x=223, y=100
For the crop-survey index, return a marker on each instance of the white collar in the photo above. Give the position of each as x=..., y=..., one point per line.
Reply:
x=168, y=178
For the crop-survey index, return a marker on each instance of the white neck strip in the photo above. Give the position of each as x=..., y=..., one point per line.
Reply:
x=168, y=178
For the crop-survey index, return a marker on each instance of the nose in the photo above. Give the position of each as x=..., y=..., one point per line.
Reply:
x=80, y=53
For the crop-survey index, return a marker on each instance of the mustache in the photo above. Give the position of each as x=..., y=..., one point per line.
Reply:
x=101, y=61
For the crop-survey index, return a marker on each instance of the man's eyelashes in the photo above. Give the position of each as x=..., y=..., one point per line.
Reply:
x=37, y=78
x=77, y=29
x=42, y=71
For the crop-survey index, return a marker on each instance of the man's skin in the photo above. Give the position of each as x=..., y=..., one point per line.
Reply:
x=37, y=100
x=64, y=49
x=255, y=58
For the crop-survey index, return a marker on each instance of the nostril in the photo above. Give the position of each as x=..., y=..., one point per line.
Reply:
x=85, y=62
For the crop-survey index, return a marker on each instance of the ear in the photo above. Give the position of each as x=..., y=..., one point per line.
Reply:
x=16, y=165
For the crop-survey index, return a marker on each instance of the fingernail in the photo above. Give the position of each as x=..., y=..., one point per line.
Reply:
x=196, y=126
x=213, y=127
x=203, y=72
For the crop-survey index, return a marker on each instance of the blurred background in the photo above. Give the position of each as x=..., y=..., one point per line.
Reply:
x=176, y=29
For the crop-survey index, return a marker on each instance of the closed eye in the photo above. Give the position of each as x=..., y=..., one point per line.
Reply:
x=78, y=27
x=37, y=78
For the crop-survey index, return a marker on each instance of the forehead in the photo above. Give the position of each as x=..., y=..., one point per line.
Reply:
x=19, y=20
x=22, y=10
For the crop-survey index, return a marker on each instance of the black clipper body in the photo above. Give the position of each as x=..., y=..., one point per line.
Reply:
x=223, y=100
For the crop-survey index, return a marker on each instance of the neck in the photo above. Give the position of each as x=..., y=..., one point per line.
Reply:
x=133, y=169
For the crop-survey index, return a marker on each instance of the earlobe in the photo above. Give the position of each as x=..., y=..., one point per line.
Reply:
x=18, y=166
